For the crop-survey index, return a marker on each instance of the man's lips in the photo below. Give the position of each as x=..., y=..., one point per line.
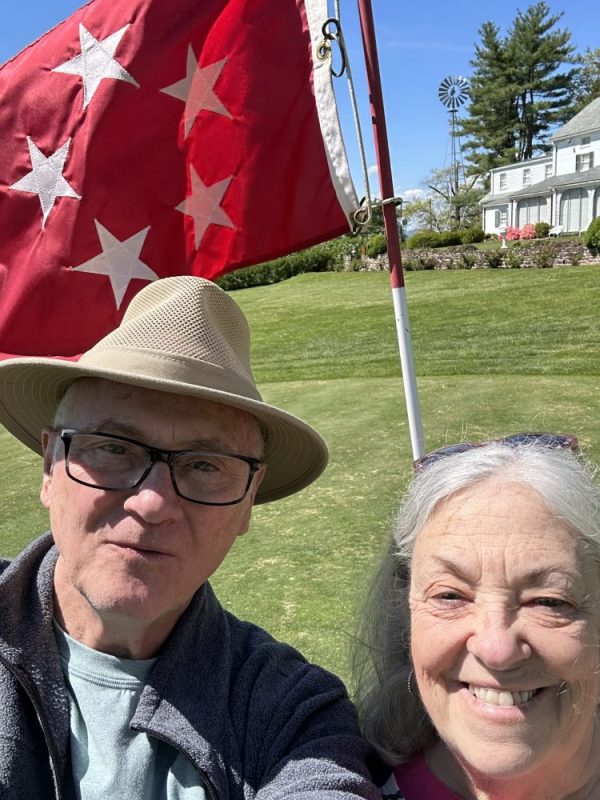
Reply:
x=138, y=547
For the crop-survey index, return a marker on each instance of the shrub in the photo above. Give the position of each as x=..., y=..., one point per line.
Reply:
x=432, y=239
x=493, y=259
x=528, y=231
x=473, y=234
x=513, y=258
x=376, y=245
x=450, y=238
x=544, y=255
x=591, y=237
x=423, y=239
x=468, y=260
x=512, y=233
x=315, y=259
x=542, y=229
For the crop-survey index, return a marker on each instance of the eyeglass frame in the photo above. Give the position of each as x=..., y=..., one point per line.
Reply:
x=557, y=441
x=156, y=455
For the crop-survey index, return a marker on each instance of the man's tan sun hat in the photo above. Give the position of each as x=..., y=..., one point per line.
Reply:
x=183, y=335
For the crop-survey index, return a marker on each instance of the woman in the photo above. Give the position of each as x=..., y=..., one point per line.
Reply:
x=481, y=674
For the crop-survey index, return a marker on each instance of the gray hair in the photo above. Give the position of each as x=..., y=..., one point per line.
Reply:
x=391, y=713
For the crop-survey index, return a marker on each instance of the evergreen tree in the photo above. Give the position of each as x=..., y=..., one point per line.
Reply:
x=536, y=53
x=518, y=89
x=491, y=114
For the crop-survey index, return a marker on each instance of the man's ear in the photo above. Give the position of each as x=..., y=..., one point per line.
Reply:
x=256, y=482
x=48, y=445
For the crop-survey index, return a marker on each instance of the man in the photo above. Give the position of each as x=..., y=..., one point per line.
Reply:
x=121, y=676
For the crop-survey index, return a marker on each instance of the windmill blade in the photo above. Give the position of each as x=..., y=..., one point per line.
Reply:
x=453, y=91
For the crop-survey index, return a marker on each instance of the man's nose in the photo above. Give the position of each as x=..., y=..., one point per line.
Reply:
x=498, y=640
x=155, y=499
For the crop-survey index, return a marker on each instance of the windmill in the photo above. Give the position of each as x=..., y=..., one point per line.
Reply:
x=453, y=92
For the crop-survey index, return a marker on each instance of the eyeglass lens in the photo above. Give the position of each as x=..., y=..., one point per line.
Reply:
x=113, y=463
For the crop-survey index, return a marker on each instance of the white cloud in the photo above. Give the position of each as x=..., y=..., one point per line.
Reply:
x=409, y=195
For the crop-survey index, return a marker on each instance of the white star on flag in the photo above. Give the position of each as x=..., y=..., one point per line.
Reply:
x=119, y=260
x=197, y=90
x=96, y=62
x=46, y=178
x=204, y=205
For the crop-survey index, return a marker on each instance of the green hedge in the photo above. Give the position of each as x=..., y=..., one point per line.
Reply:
x=316, y=259
x=591, y=237
x=333, y=256
x=445, y=238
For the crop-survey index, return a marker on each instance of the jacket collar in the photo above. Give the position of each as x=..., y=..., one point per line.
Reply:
x=27, y=644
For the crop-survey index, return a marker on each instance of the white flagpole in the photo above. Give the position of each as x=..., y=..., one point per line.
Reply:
x=391, y=230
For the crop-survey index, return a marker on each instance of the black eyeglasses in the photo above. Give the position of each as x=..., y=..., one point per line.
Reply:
x=552, y=440
x=117, y=463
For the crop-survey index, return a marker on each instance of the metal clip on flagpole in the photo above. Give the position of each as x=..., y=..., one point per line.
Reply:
x=389, y=213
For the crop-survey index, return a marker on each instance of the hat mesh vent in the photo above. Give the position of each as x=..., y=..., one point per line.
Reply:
x=214, y=331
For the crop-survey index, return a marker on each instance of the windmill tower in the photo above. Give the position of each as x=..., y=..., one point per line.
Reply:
x=453, y=92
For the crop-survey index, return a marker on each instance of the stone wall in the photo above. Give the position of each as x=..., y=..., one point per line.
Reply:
x=528, y=253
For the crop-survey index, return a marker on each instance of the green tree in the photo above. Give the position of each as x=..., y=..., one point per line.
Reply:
x=586, y=84
x=537, y=54
x=491, y=115
x=426, y=213
x=460, y=202
x=447, y=207
x=519, y=89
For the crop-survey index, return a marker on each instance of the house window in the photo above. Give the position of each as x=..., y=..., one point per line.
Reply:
x=585, y=140
x=574, y=206
x=532, y=210
x=500, y=217
x=584, y=161
x=502, y=181
x=527, y=177
x=548, y=171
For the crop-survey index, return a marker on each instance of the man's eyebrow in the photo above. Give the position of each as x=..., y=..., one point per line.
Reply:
x=131, y=431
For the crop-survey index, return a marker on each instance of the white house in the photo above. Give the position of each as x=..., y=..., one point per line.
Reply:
x=561, y=188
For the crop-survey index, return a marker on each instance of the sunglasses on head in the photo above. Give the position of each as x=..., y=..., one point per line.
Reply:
x=552, y=440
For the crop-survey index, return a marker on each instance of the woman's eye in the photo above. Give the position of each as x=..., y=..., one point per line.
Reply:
x=448, y=596
x=550, y=602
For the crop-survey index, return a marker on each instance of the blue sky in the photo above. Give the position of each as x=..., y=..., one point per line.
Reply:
x=419, y=44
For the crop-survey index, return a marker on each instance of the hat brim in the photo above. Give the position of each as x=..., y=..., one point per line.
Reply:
x=32, y=388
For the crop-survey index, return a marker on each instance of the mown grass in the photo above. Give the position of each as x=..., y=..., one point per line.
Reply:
x=496, y=352
x=475, y=322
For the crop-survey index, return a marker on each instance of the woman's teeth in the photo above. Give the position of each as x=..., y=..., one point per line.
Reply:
x=494, y=697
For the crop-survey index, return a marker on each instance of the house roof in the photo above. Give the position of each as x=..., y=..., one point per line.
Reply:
x=588, y=119
x=590, y=176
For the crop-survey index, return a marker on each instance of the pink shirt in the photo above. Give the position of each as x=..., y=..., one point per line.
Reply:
x=415, y=781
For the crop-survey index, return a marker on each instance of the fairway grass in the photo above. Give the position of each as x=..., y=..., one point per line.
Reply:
x=521, y=354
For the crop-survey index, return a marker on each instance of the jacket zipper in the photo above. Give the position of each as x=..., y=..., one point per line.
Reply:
x=209, y=787
x=33, y=697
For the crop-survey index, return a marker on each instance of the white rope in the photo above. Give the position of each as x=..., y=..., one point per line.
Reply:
x=363, y=215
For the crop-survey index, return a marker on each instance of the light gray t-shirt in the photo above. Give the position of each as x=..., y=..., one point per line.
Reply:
x=108, y=759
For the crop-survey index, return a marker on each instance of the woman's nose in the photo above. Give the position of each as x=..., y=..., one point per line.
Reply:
x=498, y=640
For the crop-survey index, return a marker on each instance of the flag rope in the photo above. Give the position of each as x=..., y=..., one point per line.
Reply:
x=362, y=216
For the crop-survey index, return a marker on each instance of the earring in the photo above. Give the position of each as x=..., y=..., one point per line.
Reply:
x=410, y=676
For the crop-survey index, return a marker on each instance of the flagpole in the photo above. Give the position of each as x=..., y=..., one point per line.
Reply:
x=391, y=229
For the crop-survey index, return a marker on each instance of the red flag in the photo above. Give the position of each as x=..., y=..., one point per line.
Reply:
x=141, y=139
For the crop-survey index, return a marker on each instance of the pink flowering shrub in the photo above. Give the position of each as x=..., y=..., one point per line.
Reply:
x=512, y=233
x=528, y=231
